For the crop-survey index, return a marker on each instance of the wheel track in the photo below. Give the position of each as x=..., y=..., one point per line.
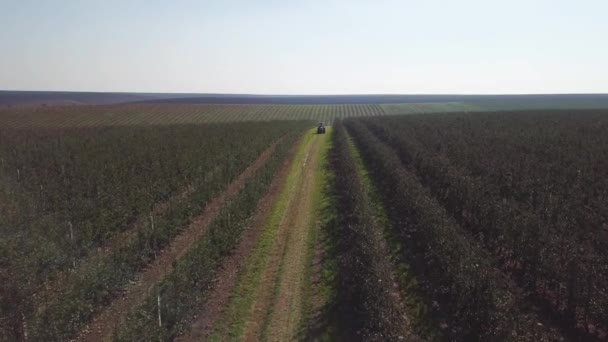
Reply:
x=286, y=310
x=227, y=277
x=274, y=295
x=271, y=291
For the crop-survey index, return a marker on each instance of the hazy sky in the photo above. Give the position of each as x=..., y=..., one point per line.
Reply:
x=305, y=47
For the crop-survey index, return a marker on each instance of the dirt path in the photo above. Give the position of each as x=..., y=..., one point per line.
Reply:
x=266, y=302
x=227, y=275
x=286, y=312
x=276, y=311
x=105, y=323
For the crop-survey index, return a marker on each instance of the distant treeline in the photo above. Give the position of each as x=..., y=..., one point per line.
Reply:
x=46, y=97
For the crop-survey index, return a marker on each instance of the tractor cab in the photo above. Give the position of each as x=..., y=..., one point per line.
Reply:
x=321, y=128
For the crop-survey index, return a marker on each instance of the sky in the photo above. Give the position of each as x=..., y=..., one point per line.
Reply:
x=305, y=47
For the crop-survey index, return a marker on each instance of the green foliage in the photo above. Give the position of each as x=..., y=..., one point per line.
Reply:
x=183, y=291
x=496, y=104
x=164, y=114
x=469, y=296
x=104, y=182
x=319, y=287
x=366, y=308
x=531, y=188
x=418, y=311
x=428, y=107
x=250, y=277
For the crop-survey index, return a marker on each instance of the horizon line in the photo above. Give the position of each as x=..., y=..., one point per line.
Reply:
x=303, y=95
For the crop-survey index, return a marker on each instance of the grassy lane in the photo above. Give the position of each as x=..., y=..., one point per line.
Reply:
x=267, y=302
x=320, y=278
x=225, y=280
x=286, y=313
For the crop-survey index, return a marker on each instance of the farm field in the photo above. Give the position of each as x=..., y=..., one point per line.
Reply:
x=505, y=208
x=84, y=212
x=220, y=222
x=163, y=113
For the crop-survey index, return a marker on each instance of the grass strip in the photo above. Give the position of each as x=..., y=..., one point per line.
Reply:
x=418, y=311
x=250, y=278
x=318, y=295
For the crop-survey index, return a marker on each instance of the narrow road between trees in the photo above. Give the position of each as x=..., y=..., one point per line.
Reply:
x=227, y=276
x=267, y=304
x=284, y=312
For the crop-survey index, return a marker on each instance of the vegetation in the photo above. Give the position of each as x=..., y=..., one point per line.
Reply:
x=244, y=109
x=80, y=218
x=368, y=309
x=428, y=107
x=249, y=279
x=183, y=291
x=416, y=310
x=495, y=104
x=529, y=189
x=469, y=296
x=485, y=226
x=162, y=114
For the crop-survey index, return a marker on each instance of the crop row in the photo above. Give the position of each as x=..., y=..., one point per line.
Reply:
x=162, y=114
x=181, y=293
x=79, y=189
x=471, y=298
x=557, y=262
x=86, y=185
x=366, y=291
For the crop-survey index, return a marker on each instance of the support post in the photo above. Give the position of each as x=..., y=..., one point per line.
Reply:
x=160, y=322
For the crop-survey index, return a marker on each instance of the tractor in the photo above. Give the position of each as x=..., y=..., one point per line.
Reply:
x=321, y=128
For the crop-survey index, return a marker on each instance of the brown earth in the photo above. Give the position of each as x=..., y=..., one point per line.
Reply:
x=53, y=289
x=227, y=275
x=399, y=324
x=277, y=303
x=105, y=323
x=287, y=308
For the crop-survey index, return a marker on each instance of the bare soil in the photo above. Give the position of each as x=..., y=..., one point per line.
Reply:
x=287, y=308
x=227, y=275
x=53, y=288
x=277, y=303
x=105, y=323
